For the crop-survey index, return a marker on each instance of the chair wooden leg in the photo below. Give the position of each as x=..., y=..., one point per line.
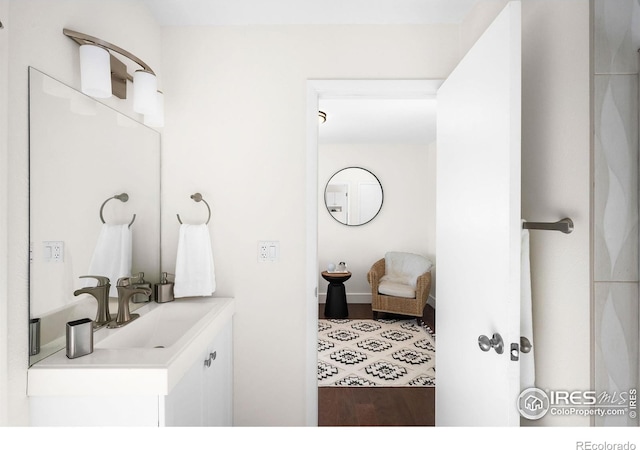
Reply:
x=375, y=315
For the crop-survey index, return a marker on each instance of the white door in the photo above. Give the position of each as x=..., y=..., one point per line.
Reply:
x=478, y=230
x=217, y=394
x=336, y=198
x=369, y=200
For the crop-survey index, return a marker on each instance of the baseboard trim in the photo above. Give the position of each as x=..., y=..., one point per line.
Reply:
x=364, y=298
x=358, y=297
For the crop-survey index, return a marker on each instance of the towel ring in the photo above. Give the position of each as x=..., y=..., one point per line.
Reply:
x=123, y=198
x=197, y=197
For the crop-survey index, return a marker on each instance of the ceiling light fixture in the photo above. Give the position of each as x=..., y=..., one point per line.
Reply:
x=103, y=75
x=322, y=116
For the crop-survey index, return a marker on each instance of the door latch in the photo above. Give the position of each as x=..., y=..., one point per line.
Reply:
x=515, y=352
x=524, y=347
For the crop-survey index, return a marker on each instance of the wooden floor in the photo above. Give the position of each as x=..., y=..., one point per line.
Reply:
x=377, y=406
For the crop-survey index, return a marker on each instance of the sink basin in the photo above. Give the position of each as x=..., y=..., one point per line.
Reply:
x=161, y=327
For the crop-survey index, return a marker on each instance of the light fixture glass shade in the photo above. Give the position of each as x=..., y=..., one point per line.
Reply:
x=95, y=71
x=156, y=119
x=145, y=92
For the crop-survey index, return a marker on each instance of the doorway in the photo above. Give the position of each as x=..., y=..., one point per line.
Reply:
x=337, y=89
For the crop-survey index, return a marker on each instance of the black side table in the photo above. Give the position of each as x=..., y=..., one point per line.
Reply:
x=336, y=305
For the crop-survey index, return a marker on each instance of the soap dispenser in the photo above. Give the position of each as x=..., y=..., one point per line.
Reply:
x=140, y=282
x=164, y=290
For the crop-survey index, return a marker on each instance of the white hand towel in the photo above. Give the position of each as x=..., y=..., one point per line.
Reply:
x=112, y=255
x=195, y=273
x=527, y=361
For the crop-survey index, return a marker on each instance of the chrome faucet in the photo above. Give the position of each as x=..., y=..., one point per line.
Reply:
x=126, y=290
x=101, y=294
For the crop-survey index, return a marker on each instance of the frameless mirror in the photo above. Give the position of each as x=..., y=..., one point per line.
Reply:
x=353, y=196
x=81, y=154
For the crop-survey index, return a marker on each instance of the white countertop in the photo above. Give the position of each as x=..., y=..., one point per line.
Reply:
x=131, y=371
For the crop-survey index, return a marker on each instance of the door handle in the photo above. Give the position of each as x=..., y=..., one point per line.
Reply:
x=495, y=343
x=525, y=345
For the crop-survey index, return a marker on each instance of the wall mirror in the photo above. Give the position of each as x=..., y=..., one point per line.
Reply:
x=353, y=196
x=81, y=153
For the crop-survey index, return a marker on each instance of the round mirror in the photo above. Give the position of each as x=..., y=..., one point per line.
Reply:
x=353, y=196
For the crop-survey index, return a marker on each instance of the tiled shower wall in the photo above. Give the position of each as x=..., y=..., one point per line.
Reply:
x=616, y=313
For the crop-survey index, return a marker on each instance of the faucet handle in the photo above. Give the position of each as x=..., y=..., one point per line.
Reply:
x=102, y=281
x=124, y=282
x=139, y=277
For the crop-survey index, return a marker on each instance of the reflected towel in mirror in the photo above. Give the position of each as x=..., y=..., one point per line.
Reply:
x=112, y=255
x=195, y=273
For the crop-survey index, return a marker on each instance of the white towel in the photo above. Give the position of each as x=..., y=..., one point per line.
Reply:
x=527, y=365
x=195, y=273
x=112, y=255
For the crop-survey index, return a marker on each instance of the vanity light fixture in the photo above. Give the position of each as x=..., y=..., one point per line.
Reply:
x=322, y=116
x=145, y=89
x=95, y=71
x=103, y=75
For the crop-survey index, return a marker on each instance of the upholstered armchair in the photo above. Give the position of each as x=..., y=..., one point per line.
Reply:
x=400, y=284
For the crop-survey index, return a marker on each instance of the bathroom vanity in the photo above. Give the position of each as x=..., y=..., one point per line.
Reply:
x=170, y=367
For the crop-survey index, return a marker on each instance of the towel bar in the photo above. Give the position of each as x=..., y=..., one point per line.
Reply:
x=197, y=197
x=123, y=198
x=565, y=225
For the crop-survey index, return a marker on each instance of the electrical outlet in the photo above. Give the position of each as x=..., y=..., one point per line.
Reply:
x=53, y=251
x=263, y=251
x=268, y=251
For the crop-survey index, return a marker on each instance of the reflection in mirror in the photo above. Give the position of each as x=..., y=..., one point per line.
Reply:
x=81, y=154
x=353, y=196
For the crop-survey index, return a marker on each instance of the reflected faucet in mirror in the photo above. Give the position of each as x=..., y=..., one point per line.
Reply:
x=101, y=294
x=126, y=290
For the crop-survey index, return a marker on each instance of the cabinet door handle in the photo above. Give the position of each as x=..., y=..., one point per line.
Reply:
x=212, y=357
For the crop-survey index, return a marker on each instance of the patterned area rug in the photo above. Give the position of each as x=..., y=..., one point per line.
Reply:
x=389, y=352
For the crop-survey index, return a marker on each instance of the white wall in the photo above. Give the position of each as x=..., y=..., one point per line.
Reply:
x=236, y=132
x=406, y=221
x=556, y=183
x=477, y=21
x=36, y=39
x=4, y=172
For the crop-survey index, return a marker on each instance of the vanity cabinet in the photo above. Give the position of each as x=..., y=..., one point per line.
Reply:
x=189, y=383
x=204, y=395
